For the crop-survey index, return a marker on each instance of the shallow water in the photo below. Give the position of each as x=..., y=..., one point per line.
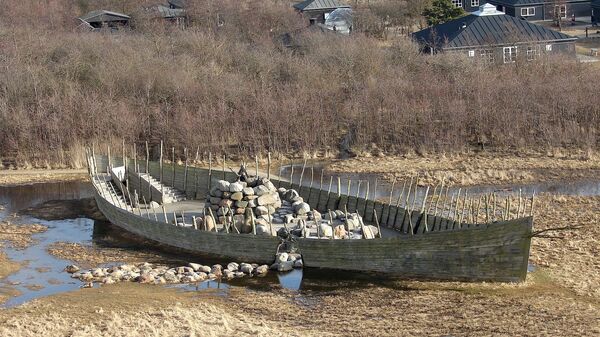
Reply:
x=43, y=274
x=381, y=189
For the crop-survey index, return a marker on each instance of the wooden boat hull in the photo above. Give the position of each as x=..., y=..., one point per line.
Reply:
x=240, y=247
x=490, y=252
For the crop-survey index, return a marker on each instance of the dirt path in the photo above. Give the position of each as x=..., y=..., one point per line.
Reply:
x=20, y=177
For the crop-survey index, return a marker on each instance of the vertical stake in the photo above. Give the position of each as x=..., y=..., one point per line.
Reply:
x=269, y=165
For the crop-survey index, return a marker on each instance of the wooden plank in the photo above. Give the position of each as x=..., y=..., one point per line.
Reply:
x=313, y=199
x=323, y=199
x=399, y=220
x=385, y=214
x=343, y=202
x=392, y=217
x=332, y=203
x=368, y=207
x=304, y=191
x=378, y=207
x=351, y=204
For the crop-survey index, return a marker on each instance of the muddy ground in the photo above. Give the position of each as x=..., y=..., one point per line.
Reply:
x=561, y=298
x=19, y=177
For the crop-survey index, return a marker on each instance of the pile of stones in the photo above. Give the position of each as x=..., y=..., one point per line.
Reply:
x=287, y=261
x=160, y=274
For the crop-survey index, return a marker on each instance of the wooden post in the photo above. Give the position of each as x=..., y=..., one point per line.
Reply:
x=462, y=212
x=255, y=162
x=494, y=207
x=195, y=182
x=183, y=217
x=123, y=156
x=209, y=171
x=253, y=221
x=330, y=184
x=154, y=212
x=508, y=208
x=279, y=178
x=173, y=164
x=392, y=191
x=269, y=165
x=302, y=173
x=519, y=206
x=424, y=216
x=349, y=186
x=312, y=178
x=377, y=223
x=291, y=174
x=213, y=218
x=438, y=198
x=175, y=219
x=165, y=214
x=408, y=193
x=339, y=186
x=367, y=194
x=532, y=201
x=487, y=208
x=134, y=155
x=375, y=190
x=108, y=154
x=455, y=215
x=358, y=191
x=185, y=171
x=478, y=208
x=146, y=207
x=270, y=222
x=399, y=200
x=415, y=193
x=160, y=168
x=332, y=227
x=194, y=222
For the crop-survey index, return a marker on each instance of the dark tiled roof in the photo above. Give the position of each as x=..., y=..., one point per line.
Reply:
x=529, y=2
x=177, y=3
x=473, y=30
x=104, y=16
x=319, y=4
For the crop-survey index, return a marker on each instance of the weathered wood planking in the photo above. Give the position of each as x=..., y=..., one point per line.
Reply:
x=240, y=247
x=492, y=252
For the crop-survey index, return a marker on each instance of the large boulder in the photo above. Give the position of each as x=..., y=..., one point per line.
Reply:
x=236, y=187
x=261, y=190
x=262, y=229
x=267, y=199
x=261, y=210
x=325, y=230
x=301, y=208
x=269, y=185
x=209, y=223
x=223, y=185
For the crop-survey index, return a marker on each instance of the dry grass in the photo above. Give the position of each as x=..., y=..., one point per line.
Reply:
x=487, y=167
x=20, y=177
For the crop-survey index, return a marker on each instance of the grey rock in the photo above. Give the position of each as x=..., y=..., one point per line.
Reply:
x=72, y=269
x=194, y=266
x=261, y=210
x=298, y=263
x=237, y=196
x=233, y=266
x=248, y=191
x=204, y=269
x=108, y=280
x=170, y=277
x=223, y=185
x=239, y=274
x=262, y=229
x=282, y=257
x=154, y=204
x=251, y=203
x=241, y=204
x=325, y=230
x=215, y=200
x=302, y=208
x=261, y=190
x=261, y=270
x=236, y=187
x=290, y=194
x=285, y=266
x=370, y=232
x=269, y=185
x=246, y=268
x=267, y=199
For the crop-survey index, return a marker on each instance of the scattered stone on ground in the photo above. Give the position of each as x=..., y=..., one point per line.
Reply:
x=160, y=274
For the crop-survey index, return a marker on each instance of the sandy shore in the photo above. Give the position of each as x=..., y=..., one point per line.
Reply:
x=561, y=298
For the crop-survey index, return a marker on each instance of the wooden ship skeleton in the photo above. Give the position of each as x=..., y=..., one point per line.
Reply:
x=436, y=239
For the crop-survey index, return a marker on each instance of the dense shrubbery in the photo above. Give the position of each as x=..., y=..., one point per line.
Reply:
x=231, y=88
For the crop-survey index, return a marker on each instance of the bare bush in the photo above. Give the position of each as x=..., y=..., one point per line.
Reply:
x=231, y=88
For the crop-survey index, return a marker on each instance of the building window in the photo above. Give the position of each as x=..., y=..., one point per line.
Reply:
x=487, y=56
x=510, y=54
x=560, y=11
x=548, y=47
x=471, y=53
x=474, y=3
x=532, y=53
x=528, y=11
x=457, y=3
